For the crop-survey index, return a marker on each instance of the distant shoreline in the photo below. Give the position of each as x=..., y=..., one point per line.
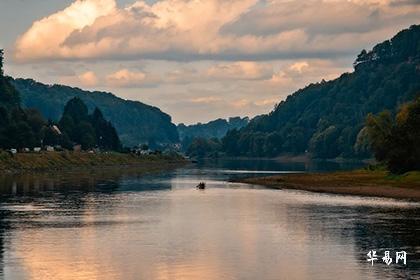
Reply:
x=68, y=161
x=358, y=182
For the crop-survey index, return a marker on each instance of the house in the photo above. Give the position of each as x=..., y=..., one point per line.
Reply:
x=49, y=148
x=146, y=152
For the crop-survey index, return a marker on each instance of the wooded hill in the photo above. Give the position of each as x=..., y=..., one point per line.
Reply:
x=135, y=122
x=325, y=119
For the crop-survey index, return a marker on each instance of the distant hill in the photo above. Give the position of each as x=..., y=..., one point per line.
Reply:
x=213, y=129
x=325, y=119
x=136, y=123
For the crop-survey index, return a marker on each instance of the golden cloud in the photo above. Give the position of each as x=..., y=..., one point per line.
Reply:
x=212, y=29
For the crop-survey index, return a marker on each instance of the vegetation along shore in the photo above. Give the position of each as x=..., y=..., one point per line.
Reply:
x=379, y=183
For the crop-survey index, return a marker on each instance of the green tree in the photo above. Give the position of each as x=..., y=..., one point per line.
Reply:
x=395, y=141
x=18, y=128
x=202, y=147
x=106, y=135
x=90, y=131
x=379, y=129
x=1, y=62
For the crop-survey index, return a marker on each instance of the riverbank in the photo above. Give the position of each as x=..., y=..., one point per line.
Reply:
x=50, y=161
x=376, y=183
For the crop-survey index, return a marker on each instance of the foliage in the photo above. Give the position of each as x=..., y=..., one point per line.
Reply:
x=214, y=129
x=201, y=147
x=135, y=122
x=18, y=128
x=88, y=130
x=326, y=119
x=395, y=141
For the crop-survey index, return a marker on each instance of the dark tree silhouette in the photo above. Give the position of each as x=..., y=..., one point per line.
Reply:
x=1, y=62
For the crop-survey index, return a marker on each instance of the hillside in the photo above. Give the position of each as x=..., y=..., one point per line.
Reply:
x=325, y=119
x=213, y=129
x=18, y=128
x=136, y=123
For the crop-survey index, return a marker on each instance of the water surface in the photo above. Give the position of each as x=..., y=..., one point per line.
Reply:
x=120, y=225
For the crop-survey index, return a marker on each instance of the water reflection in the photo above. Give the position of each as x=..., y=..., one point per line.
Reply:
x=120, y=225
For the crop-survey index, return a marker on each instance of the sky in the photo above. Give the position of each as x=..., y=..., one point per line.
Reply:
x=196, y=60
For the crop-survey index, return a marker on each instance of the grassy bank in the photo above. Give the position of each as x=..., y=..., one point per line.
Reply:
x=71, y=160
x=360, y=182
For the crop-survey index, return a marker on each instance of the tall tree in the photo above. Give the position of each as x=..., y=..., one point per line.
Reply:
x=88, y=130
x=1, y=62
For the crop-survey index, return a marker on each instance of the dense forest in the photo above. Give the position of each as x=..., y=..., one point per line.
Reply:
x=326, y=119
x=135, y=122
x=213, y=129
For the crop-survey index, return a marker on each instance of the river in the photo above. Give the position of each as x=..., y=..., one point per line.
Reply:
x=120, y=225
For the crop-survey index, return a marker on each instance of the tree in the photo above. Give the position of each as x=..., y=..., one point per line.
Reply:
x=395, y=141
x=106, y=135
x=379, y=129
x=1, y=62
x=201, y=147
x=88, y=130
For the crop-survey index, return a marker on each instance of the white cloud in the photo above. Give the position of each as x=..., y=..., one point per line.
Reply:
x=45, y=37
x=213, y=29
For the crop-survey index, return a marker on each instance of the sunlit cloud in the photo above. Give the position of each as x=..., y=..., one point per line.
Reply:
x=126, y=78
x=45, y=37
x=213, y=29
x=206, y=100
x=86, y=79
x=242, y=70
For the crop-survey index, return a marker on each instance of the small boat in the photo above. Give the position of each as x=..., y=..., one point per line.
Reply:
x=201, y=186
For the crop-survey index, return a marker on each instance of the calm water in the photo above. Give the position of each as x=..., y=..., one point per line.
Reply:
x=119, y=225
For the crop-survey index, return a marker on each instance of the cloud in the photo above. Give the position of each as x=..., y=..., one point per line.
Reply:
x=86, y=79
x=405, y=3
x=45, y=37
x=242, y=70
x=214, y=29
x=300, y=73
x=206, y=99
x=125, y=78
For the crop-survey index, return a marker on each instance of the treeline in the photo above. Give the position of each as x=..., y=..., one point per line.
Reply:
x=395, y=140
x=27, y=128
x=213, y=130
